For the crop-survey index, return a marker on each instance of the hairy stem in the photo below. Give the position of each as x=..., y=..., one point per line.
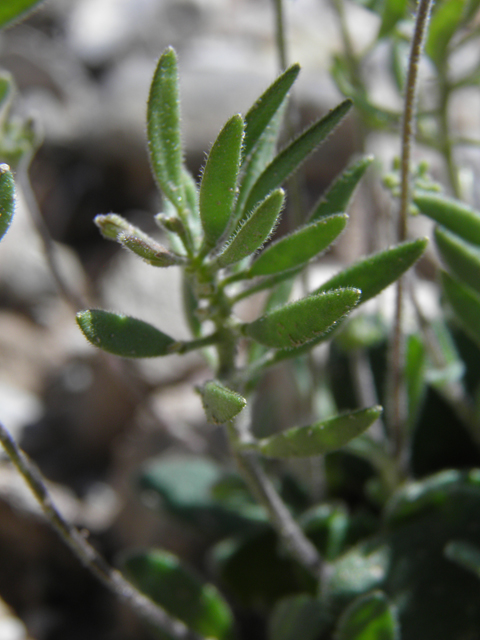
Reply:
x=397, y=404
x=88, y=555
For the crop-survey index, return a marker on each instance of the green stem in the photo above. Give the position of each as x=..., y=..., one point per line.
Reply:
x=397, y=404
x=280, y=34
x=87, y=554
x=446, y=144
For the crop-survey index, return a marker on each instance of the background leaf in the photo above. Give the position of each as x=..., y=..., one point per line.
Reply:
x=452, y=214
x=11, y=10
x=302, y=321
x=123, y=335
x=466, y=304
x=443, y=24
x=461, y=257
x=161, y=576
x=369, y=617
x=7, y=198
x=393, y=11
x=301, y=616
x=321, y=437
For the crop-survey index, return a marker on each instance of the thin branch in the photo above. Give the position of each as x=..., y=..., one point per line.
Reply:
x=262, y=488
x=88, y=555
x=397, y=405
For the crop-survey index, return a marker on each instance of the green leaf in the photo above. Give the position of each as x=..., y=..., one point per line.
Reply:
x=11, y=10
x=301, y=321
x=301, y=616
x=220, y=403
x=338, y=195
x=321, y=437
x=163, y=129
x=219, y=181
x=123, y=335
x=393, y=11
x=161, y=576
x=261, y=113
x=464, y=554
x=292, y=156
x=443, y=24
x=375, y=273
x=254, y=231
x=415, y=365
x=369, y=617
x=299, y=247
x=461, y=257
x=7, y=198
x=465, y=303
x=452, y=214
x=6, y=94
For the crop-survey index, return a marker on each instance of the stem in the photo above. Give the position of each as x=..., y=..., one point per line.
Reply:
x=88, y=555
x=397, y=404
x=446, y=145
x=280, y=34
x=262, y=488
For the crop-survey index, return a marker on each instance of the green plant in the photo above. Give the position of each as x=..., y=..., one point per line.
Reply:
x=383, y=556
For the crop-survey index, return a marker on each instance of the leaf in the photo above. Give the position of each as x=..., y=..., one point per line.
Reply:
x=288, y=160
x=252, y=233
x=464, y=554
x=123, y=335
x=220, y=403
x=261, y=155
x=161, y=576
x=114, y=227
x=261, y=113
x=338, y=195
x=11, y=10
x=163, y=129
x=300, y=616
x=378, y=271
x=443, y=25
x=393, y=11
x=7, y=198
x=219, y=181
x=452, y=214
x=6, y=94
x=461, y=257
x=415, y=365
x=369, y=617
x=301, y=321
x=299, y=247
x=465, y=303
x=321, y=437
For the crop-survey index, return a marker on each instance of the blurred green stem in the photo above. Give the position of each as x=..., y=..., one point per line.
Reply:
x=396, y=400
x=446, y=145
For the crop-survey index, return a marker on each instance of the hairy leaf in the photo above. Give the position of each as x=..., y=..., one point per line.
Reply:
x=466, y=304
x=369, y=617
x=220, y=403
x=461, y=257
x=7, y=198
x=378, y=271
x=299, y=247
x=163, y=129
x=123, y=335
x=292, y=156
x=11, y=10
x=252, y=233
x=452, y=214
x=261, y=113
x=321, y=437
x=161, y=576
x=219, y=181
x=299, y=322
x=338, y=195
